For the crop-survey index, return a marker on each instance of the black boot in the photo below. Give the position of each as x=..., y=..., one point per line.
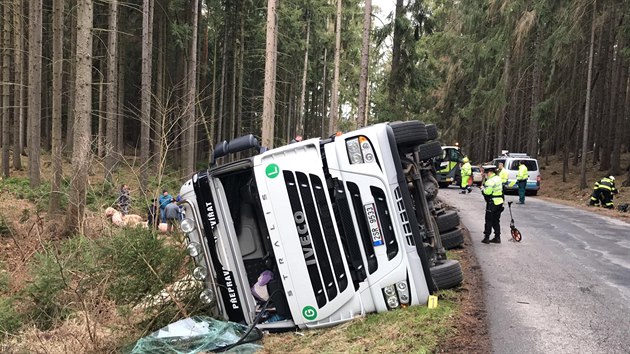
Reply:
x=496, y=239
x=485, y=239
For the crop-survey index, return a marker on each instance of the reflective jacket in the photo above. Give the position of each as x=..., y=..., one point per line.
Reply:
x=522, y=173
x=504, y=175
x=606, y=184
x=493, y=190
x=466, y=170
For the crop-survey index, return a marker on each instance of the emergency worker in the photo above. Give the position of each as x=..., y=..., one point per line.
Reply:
x=521, y=180
x=466, y=172
x=503, y=173
x=603, y=192
x=493, y=194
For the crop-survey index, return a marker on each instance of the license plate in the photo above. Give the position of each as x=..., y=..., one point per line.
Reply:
x=375, y=228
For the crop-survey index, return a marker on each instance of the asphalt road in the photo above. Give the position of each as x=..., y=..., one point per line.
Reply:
x=565, y=288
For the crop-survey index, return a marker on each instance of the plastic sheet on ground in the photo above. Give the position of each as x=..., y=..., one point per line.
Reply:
x=198, y=334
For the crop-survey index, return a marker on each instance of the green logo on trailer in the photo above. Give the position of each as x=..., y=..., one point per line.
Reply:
x=309, y=312
x=272, y=171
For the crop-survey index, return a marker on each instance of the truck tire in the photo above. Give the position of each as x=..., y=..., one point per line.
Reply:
x=429, y=150
x=452, y=239
x=447, y=221
x=447, y=275
x=432, y=131
x=409, y=133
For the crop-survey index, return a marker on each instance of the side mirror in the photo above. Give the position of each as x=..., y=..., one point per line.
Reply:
x=239, y=144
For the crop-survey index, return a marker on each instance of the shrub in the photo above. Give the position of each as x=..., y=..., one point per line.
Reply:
x=10, y=319
x=140, y=264
x=46, y=291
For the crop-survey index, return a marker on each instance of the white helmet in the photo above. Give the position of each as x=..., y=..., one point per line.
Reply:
x=612, y=178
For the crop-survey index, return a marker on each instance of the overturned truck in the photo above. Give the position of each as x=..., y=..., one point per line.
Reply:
x=315, y=233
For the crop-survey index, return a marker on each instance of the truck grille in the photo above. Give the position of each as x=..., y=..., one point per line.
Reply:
x=365, y=236
x=387, y=229
x=317, y=235
x=404, y=219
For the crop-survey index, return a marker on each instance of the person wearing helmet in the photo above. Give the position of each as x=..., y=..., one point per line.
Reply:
x=466, y=172
x=603, y=193
x=493, y=194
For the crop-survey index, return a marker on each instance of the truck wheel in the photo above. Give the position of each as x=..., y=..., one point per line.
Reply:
x=409, y=133
x=429, y=150
x=447, y=221
x=448, y=274
x=432, y=131
x=452, y=239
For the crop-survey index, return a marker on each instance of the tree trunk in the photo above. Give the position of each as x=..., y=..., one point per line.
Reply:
x=73, y=76
x=300, y=126
x=145, y=104
x=6, y=61
x=503, y=111
x=120, y=116
x=18, y=98
x=112, y=91
x=189, y=123
x=83, y=103
x=362, y=110
x=57, y=162
x=588, y=102
x=35, y=89
x=394, y=77
x=324, y=95
x=334, y=100
x=532, y=145
x=269, y=96
x=619, y=112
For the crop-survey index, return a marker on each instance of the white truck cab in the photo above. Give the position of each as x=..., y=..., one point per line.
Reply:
x=334, y=223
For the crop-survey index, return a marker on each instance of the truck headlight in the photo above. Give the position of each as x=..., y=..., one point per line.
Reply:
x=207, y=296
x=360, y=150
x=389, y=291
x=200, y=273
x=403, y=292
x=392, y=302
x=187, y=225
x=194, y=249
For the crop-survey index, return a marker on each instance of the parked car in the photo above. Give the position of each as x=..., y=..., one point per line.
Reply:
x=511, y=161
x=322, y=230
x=477, y=175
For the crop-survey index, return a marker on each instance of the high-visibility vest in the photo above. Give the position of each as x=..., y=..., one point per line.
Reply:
x=494, y=188
x=522, y=173
x=466, y=169
x=504, y=175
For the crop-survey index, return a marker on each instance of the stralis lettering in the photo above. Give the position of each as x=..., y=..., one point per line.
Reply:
x=211, y=215
x=229, y=285
x=305, y=239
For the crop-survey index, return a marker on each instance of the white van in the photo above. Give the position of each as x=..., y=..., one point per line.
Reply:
x=511, y=161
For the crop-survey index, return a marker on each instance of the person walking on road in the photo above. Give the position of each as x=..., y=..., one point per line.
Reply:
x=466, y=173
x=521, y=179
x=493, y=194
x=603, y=192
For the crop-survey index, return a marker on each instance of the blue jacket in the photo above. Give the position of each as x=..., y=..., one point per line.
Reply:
x=165, y=200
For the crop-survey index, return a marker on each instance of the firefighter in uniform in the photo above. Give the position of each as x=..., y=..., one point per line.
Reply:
x=493, y=194
x=466, y=172
x=603, y=192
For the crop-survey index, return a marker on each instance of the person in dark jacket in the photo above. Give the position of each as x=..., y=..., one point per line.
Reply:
x=171, y=212
x=153, y=219
x=124, y=199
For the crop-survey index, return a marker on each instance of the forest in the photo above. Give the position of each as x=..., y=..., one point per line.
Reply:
x=95, y=94
x=165, y=80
